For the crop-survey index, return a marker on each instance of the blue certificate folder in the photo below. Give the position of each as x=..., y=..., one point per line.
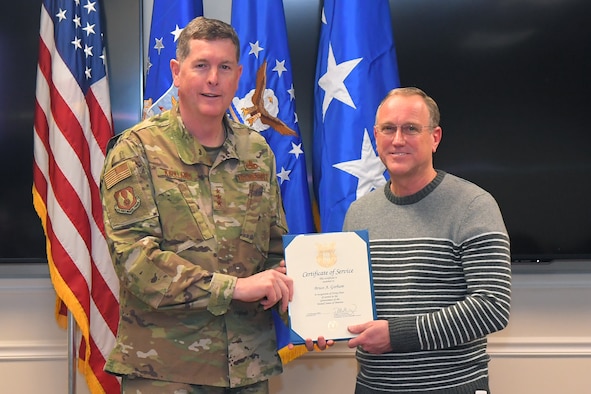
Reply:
x=333, y=286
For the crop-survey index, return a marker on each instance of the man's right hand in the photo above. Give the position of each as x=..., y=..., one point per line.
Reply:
x=269, y=287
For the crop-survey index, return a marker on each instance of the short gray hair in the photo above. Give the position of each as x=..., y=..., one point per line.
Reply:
x=434, y=115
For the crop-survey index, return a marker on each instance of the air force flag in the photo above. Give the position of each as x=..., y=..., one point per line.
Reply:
x=169, y=17
x=265, y=100
x=356, y=67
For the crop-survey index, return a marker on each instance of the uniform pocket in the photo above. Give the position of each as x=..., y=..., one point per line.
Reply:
x=256, y=225
x=185, y=221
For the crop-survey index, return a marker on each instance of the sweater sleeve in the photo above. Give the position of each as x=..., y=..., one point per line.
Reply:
x=486, y=265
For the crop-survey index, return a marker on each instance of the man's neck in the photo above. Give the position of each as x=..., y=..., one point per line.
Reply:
x=406, y=186
x=208, y=131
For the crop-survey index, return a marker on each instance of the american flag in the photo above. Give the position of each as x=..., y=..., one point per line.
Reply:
x=72, y=127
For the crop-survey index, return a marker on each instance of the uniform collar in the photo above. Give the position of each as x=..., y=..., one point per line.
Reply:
x=190, y=150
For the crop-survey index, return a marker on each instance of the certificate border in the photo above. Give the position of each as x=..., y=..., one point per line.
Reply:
x=294, y=337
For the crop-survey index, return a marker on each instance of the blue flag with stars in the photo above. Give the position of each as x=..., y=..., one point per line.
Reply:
x=169, y=17
x=356, y=67
x=265, y=101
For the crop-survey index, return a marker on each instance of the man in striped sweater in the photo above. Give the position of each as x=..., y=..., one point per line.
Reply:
x=440, y=259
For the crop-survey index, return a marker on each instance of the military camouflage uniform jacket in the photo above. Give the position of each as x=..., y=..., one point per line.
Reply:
x=181, y=230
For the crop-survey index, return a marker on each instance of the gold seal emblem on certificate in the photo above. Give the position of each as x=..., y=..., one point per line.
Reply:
x=327, y=254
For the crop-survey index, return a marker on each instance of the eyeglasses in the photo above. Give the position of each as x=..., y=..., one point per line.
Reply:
x=409, y=129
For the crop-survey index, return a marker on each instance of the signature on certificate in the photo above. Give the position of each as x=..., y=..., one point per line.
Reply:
x=343, y=311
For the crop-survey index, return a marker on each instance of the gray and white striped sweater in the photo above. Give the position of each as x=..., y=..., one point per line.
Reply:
x=442, y=278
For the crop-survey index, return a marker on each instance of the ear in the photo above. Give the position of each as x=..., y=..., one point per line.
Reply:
x=237, y=77
x=175, y=69
x=437, y=134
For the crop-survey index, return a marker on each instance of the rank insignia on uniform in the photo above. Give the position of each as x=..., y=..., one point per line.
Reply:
x=127, y=201
x=251, y=165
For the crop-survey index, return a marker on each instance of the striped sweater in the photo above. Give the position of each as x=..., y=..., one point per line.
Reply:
x=442, y=279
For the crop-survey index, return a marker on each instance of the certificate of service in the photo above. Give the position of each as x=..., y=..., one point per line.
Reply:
x=332, y=280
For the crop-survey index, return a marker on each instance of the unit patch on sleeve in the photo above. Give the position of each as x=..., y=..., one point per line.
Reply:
x=126, y=201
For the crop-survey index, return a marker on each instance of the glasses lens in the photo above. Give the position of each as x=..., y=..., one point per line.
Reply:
x=410, y=129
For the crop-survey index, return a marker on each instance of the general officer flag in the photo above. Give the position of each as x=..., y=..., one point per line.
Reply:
x=265, y=100
x=169, y=17
x=72, y=127
x=356, y=67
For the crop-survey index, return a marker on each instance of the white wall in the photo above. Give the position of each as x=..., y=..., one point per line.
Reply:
x=546, y=349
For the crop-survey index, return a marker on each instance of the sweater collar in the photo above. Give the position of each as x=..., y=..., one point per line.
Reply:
x=418, y=196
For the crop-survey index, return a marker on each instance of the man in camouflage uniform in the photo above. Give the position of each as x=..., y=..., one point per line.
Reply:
x=194, y=222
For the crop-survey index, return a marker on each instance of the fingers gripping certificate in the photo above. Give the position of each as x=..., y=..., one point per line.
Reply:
x=332, y=280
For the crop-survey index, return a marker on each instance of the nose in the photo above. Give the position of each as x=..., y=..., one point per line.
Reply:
x=212, y=76
x=398, y=137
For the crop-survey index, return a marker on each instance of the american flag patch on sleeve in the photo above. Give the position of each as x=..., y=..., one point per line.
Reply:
x=117, y=174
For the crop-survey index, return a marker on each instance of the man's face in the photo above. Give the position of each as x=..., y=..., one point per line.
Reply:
x=406, y=155
x=207, y=78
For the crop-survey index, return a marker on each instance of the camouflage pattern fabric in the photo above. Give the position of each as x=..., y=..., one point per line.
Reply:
x=181, y=230
x=149, y=386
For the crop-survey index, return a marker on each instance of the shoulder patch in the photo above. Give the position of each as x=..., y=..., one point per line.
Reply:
x=117, y=174
x=126, y=201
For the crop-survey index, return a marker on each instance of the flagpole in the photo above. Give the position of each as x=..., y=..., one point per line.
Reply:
x=71, y=354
